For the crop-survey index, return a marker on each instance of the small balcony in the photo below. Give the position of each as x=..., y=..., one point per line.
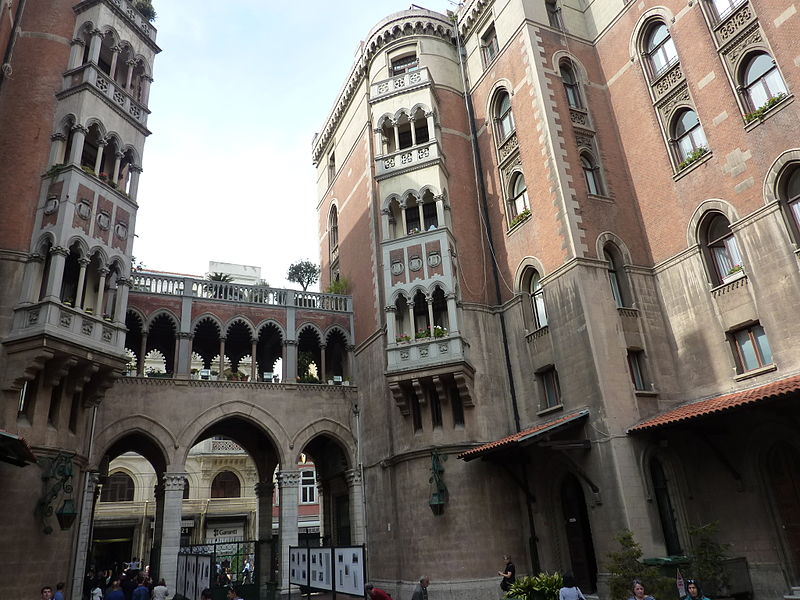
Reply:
x=400, y=84
x=425, y=353
x=88, y=76
x=407, y=159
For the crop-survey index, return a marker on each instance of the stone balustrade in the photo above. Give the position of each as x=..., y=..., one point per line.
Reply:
x=399, y=84
x=113, y=91
x=408, y=158
x=425, y=353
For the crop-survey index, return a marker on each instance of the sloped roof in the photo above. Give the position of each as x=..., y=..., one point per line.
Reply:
x=525, y=435
x=719, y=404
x=15, y=450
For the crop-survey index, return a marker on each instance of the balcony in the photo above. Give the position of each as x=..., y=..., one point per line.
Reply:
x=732, y=23
x=56, y=320
x=71, y=176
x=257, y=295
x=407, y=159
x=419, y=256
x=425, y=353
x=400, y=84
x=141, y=23
x=89, y=77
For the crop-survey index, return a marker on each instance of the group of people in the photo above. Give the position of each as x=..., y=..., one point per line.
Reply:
x=420, y=591
x=128, y=583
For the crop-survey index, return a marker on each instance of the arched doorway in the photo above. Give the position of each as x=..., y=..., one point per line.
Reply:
x=579, y=534
x=783, y=480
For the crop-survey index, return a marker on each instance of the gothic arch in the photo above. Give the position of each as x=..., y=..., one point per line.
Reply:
x=272, y=323
x=244, y=320
x=563, y=56
x=162, y=311
x=162, y=440
x=101, y=254
x=775, y=171
x=207, y=316
x=609, y=237
x=42, y=241
x=100, y=126
x=341, y=330
x=397, y=294
x=109, y=30
x=314, y=328
x=331, y=428
x=83, y=247
x=714, y=204
x=526, y=263
x=646, y=19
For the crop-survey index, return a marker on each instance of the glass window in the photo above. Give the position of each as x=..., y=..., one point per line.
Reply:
x=723, y=8
x=333, y=239
x=537, y=301
x=553, y=13
x=635, y=360
x=761, y=80
x=571, y=87
x=753, y=349
x=613, y=278
x=308, y=487
x=688, y=134
x=791, y=194
x=550, y=388
x=660, y=49
x=505, y=118
x=226, y=485
x=590, y=174
x=404, y=64
x=489, y=45
x=519, y=196
x=118, y=488
x=723, y=250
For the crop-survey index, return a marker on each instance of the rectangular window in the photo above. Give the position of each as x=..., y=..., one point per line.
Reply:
x=551, y=389
x=430, y=216
x=404, y=64
x=553, y=14
x=436, y=408
x=635, y=362
x=55, y=405
x=457, y=406
x=308, y=487
x=752, y=348
x=412, y=219
x=489, y=45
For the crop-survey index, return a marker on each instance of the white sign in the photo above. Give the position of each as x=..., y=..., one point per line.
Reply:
x=320, y=568
x=349, y=566
x=226, y=532
x=298, y=566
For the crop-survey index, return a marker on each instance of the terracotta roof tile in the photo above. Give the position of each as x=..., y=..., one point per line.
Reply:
x=720, y=404
x=514, y=438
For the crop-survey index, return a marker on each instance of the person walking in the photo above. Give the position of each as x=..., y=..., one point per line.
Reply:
x=570, y=590
x=59, y=595
x=421, y=589
x=160, y=592
x=141, y=592
x=115, y=593
x=509, y=574
x=637, y=588
x=694, y=591
x=374, y=593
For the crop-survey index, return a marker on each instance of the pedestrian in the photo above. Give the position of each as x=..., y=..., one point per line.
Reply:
x=160, y=592
x=421, y=589
x=374, y=593
x=570, y=590
x=141, y=592
x=695, y=592
x=59, y=595
x=115, y=593
x=47, y=593
x=232, y=594
x=509, y=574
x=96, y=592
x=637, y=587
x=205, y=594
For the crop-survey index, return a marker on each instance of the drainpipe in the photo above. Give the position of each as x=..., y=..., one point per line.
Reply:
x=481, y=188
x=12, y=40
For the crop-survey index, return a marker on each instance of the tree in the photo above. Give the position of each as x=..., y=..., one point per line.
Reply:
x=303, y=272
x=625, y=565
x=215, y=276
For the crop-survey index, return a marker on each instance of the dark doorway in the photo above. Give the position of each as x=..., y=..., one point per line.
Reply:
x=666, y=511
x=579, y=534
x=342, y=519
x=112, y=546
x=783, y=474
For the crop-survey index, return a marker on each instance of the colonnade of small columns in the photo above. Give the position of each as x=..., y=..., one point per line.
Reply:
x=390, y=218
x=382, y=141
x=392, y=329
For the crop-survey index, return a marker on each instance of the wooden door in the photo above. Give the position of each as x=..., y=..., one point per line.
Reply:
x=579, y=535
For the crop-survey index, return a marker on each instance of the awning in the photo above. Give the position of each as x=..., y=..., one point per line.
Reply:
x=719, y=404
x=528, y=436
x=15, y=450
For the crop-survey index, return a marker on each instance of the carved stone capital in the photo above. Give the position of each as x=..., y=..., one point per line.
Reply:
x=184, y=335
x=78, y=128
x=59, y=250
x=135, y=168
x=352, y=477
x=58, y=137
x=104, y=271
x=35, y=257
x=77, y=42
x=174, y=481
x=290, y=343
x=119, y=155
x=288, y=479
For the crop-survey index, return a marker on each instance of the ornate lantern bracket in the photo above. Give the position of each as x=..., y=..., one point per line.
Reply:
x=439, y=493
x=57, y=474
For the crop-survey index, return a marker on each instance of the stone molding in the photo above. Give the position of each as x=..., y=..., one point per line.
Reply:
x=174, y=482
x=353, y=477
x=288, y=479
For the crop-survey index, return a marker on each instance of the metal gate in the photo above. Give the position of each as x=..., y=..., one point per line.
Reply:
x=231, y=563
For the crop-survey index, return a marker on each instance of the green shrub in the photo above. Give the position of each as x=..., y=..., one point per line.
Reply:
x=146, y=8
x=544, y=586
x=625, y=565
x=708, y=558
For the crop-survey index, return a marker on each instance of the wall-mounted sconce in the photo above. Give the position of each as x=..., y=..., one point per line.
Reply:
x=57, y=473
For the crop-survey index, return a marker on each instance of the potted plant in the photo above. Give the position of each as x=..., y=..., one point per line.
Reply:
x=439, y=331
x=422, y=333
x=403, y=338
x=544, y=586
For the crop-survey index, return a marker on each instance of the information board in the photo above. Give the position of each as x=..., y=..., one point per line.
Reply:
x=298, y=566
x=349, y=566
x=320, y=568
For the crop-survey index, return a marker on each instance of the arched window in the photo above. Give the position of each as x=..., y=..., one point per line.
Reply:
x=616, y=277
x=666, y=510
x=723, y=8
x=333, y=233
x=185, y=489
x=688, y=134
x=504, y=118
x=118, y=488
x=721, y=250
x=591, y=173
x=226, y=485
x=571, y=86
x=660, y=49
x=789, y=193
x=537, y=300
x=761, y=80
x=518, y=197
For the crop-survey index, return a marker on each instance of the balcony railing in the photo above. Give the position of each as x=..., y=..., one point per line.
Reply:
x=425, y=353
x=399, y=84
x=150, y=283
x=408, y=158
x=731, y=23
x=90, y=74
x=134, y=15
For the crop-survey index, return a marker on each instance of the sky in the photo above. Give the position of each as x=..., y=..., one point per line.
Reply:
x=240, y=88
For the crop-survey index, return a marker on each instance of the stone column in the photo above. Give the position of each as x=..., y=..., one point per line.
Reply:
x=321, y=505
x=117, y=161
x=411, y=325
x=131, y=64
x=94, y=46
x=379, y=144
x=76, y=47
x=34, y=271
x=83, y=262
x=396, y=136
x=429, y=300
x=84, y=533
x=123, y=287
x=439, y=210
x=290, y=362
x=133, y=188
x=78, y=138
x=171, y=526
x=98, y=163
x=146, y=81
x=322, y=367
x=288, y=484
x=431, y=125
x=253, y=361
x=391, y=323
x=57, y=141
x=403, y=220
x=452, y=313
x=58, y=258
x=222, y=357
x=421, y=214
x=413, y=123
x=142, y=354
x=101, y=288
x=264, y=490
x=114, y=58
x=356, y=491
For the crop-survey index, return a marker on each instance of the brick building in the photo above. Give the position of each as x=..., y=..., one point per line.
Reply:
x=570, y=230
